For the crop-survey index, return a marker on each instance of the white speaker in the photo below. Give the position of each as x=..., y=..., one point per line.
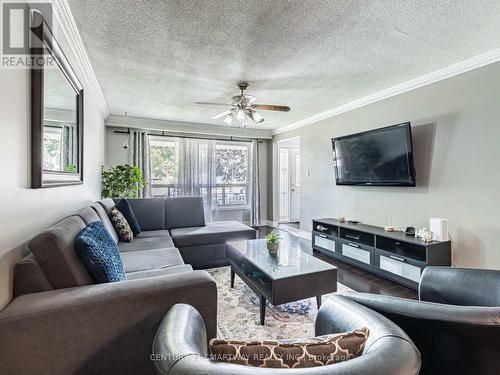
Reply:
x=439, y=228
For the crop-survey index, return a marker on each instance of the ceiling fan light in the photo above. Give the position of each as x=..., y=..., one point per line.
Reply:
x=229, y=119
x=257, y=117
x=241, y=116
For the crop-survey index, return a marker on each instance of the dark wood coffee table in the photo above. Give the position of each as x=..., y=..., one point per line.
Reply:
x=290, y=276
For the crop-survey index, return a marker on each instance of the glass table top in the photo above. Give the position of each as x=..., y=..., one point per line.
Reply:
x=290, y=260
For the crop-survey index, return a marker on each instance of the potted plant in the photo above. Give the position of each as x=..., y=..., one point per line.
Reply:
x=273, y=242
x=122, y=181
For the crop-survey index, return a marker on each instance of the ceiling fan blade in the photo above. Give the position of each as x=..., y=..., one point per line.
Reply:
x=271, y=107
x=212, y=103
x=255, y=116
x=249, y=99
x=225, y=113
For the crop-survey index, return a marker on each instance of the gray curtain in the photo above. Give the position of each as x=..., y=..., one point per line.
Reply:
x=196, y=172
x=255, y=185
x=138, y=155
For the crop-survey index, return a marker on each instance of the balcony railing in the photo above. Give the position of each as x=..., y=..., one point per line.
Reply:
x=224, y=195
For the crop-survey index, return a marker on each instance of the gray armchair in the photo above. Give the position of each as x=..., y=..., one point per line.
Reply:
x=456, y=323
x=180, y=345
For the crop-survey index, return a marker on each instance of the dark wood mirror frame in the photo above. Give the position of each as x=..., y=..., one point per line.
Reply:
x=43, y=44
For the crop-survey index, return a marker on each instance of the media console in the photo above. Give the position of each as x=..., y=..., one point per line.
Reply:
x=392, y=255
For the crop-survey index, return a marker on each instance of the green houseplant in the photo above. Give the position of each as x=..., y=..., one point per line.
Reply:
x=273, y=242
x=122, y=181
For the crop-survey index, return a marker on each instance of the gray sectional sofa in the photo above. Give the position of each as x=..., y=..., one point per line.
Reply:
x=61, y=322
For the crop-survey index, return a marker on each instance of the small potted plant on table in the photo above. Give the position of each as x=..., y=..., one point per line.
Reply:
x=273, y=242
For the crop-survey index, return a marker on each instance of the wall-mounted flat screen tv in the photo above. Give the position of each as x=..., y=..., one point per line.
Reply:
x=380, y=157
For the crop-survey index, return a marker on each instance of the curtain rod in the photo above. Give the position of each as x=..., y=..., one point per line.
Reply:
x=229, y=138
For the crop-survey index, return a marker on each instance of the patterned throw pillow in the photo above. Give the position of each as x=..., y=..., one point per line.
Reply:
x=318, y=351
x=99, y=253
x=121, y=225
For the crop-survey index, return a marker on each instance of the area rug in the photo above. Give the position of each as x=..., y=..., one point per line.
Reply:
x=238, y=312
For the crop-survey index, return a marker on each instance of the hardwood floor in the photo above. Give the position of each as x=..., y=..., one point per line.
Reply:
x=353, y=277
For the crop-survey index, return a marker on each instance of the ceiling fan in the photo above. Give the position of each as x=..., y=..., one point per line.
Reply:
x=243, y=107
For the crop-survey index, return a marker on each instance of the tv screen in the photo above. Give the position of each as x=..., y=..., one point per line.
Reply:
x=380, y=157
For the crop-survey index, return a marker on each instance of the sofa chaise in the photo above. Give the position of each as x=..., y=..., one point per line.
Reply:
x=61, y=322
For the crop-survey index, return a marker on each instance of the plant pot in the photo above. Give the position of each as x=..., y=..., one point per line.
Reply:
x=273, y=247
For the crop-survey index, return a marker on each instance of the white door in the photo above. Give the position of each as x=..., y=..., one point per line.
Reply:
x=294, y=157
x=284, y=185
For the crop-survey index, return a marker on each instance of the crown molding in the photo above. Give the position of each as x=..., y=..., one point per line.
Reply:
x=67, y=23
x=427, y=79
x=186, y=127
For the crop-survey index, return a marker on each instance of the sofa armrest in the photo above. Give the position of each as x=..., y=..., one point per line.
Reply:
x=102, y=328
x=460, y=286
x=398, y=309
x=181, y=333
x=452, y=339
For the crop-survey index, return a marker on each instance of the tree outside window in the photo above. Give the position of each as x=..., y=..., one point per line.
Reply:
x=231, y=169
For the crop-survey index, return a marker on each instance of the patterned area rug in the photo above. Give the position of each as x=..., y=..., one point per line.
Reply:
x=238, y=312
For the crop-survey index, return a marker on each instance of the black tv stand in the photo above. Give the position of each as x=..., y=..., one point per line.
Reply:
x=392, y=255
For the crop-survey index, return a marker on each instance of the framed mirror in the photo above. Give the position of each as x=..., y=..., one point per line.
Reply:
x=56, y=112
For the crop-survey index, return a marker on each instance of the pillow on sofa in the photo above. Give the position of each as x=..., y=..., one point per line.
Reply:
x=124, y=207
x=121, y=225
x=318, y=351
x=99, y=253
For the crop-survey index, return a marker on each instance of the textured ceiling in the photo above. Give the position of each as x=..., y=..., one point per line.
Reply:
x=156, y=58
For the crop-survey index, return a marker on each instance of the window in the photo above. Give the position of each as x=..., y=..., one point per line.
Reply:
x=52, y=148
x=163, y=153
x=59, y=151
x=230, y=187
x=231, y=171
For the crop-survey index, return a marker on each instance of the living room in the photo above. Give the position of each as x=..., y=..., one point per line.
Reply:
x=188, y=186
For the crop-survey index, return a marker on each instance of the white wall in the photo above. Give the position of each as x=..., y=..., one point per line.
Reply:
x=456, y=134
x=116, y=154
x=23, y=211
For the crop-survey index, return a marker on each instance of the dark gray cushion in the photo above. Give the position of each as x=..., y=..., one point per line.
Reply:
x=153, y=233
x=88, y=215
x=150, y=243
x=55, y=253
x=218, y=232
x=149, y=212
x=159, y=272
x=105, y=220
x=134, y=261
x=182, y=212
x=29, y=278
x=107, y=203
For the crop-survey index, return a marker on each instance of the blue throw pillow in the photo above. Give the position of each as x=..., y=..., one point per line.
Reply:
x=99, y=253
x=124, y=207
